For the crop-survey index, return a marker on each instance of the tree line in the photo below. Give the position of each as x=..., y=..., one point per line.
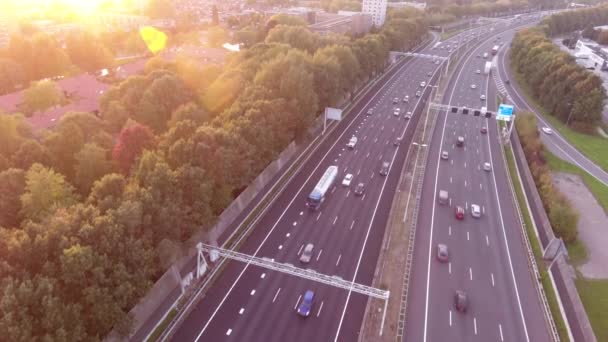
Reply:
x=562, y=215
x=566, y=90
x=93, y=211
x=570, y=21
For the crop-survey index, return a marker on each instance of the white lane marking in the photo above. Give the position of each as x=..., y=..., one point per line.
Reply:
x=480, y=186
x=252, y=292
x=500, y=329
x=287, y=235
x=228, y=332
x=339, y=257
x=297, y=301
x=336, y=219
x=467, y=236
x=367, y=156
x=319, y=255
x=263, y=275
x=465, y=183
x=301, y=213
x=450, y=202
x=300, y=250
x=295, y=223
x=475, y=324
x=380, y=157
x=483, y=209
x=471, y=273
x=466, y=205
x=487, y=240
x=276, y=294
x=352, y=224
x=376, y=140
x=358, y=172
x=450, y=230
x=465, y=165
x=450, y=180
x=450, y=317
x=450, y=267
x=347, y=193
x=504, y=233
x=452, y=161
x=492, y=275
x=280, y=247
x=333, y=189
x=320, y=308
x=241, y=311
x=319, y=216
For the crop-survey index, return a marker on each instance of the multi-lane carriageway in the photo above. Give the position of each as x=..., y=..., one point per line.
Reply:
x=247, y=303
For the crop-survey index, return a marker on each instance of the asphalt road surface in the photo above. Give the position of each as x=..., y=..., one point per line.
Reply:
x=487, y=255
x=248, y=303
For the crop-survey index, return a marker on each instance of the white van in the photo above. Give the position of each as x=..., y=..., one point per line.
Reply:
x=443, y=197
x=485, y=55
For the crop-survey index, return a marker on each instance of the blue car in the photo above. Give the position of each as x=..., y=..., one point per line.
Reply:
x=306, y=306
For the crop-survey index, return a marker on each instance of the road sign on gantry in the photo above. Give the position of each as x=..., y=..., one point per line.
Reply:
x=505, y=112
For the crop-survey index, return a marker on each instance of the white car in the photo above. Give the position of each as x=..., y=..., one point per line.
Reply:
x=475, y=211
x=347, y=179
x=487, y=166
x=547, y=130
x=422, y=84
x=437, y=62
x=408, y=115
x=406, y=98
x=395, y=100
x=473, y=86
x=444, y=155
x=397, y=112
x=482, y=97
x=478, y=71
x=370, y=111
x=307, y=253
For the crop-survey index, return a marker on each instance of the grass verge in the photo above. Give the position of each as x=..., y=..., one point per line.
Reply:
x=536, y=249
x=162, y=326
x=447, y=35
x=594, y=295
x=592, y=146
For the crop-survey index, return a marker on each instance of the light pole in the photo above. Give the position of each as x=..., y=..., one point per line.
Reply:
x=569, y=104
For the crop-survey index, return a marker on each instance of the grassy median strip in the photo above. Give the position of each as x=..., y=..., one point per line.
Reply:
x=162, y=326
x=592, y=146
x=536, y=249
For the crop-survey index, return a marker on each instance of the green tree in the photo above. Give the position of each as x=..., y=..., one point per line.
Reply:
x=87, y=51
x=41, y=96
x=45, y=191
x=29, y=153
x=298, y=37
x=160, y=99
x=115, y=116
x=12, y=75
x=13, y=132
x=12, y=186
x=107, y=192
x=189, y=111
x=63, y=145
x=91, y=164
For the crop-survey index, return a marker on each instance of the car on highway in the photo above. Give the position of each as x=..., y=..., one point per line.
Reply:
x=460, y=301
x=307, y=253
x=478, y=71
x=475, y=211
x=482, y=97
x=370, y=111
x=397, y=111
x=418, y=93
x=487, y=166
x=460, y=141
x=408, y=115
x=347, y=179
x=478, y=56
x=437, y=62
x=397, y=142
x=484, y=130
x=360, y=189
x=547, y=130
x=352, y=142
x=406, y=99
x=395, y=100
x=442, y=253
x=459, y=212
x=429, y=74
x=305, y=307
x=473, y=86
x=384, y=168
x=422, y=84
x=445, y=155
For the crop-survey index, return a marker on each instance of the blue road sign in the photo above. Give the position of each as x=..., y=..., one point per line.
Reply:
x=505, y=112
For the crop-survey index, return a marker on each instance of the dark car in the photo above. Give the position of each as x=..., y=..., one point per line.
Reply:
x=460, y=301
x=484, y=130
x=360, y=189
x=459, y=213
x=306, y=306
x=442, y=253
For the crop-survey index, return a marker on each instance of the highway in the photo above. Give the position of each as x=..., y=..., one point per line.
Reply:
x=488, y=258
x=555, y=142
x=248, y=303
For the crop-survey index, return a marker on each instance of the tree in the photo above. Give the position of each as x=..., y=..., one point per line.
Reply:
x=45, y=191
x=298, y=37
x=216, y=36
x=63, y=145
x=29, y=153
x=107, y=192
x=160, y=99
x=41, y=96
x=288, y=20
x=12, y=75
x=131, y=143
x=13, y=132
x=87, y=51
x=115, y=116
x=12, y=186
x=189, y=111
x=215, y=18
x=91, y=165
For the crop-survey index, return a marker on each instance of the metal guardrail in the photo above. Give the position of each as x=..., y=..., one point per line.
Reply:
x=531, y=258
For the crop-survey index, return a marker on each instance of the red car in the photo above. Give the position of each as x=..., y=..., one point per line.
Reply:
x=484, y=130
x=459, y=213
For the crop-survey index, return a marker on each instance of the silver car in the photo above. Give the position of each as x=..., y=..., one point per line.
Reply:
x=307, y=253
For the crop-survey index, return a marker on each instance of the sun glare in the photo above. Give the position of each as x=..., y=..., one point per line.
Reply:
x=78, y=7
